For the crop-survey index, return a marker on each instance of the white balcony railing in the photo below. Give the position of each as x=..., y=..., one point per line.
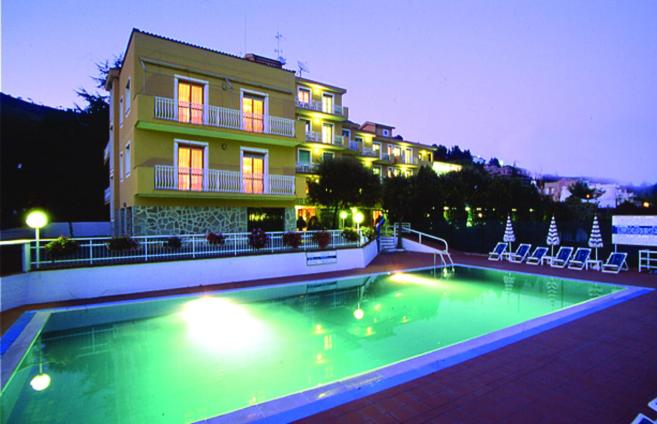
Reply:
x=317, y=106
x=169, y=177
x=313, y=136
x=306, y=168
x=216, y=116
x=354, y=146
x=371, y=153
x=338, y=140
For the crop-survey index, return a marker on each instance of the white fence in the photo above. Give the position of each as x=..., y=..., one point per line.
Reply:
x=318, y=106
x=216, y=116
x=169, y=177
x=96, y=250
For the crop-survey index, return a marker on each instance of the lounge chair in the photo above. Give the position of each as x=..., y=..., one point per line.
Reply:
x=521, y=253
x=616, y=262
x=580, y=258
x=562, y=258
x=496, y=254
x=536, y=258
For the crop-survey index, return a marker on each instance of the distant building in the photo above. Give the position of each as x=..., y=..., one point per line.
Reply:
x=441, y=168
x=612, y=194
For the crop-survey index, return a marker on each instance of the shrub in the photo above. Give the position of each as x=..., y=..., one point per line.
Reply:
x=216, y=239
x=369, y=233
x=350, y=234
x=322, y=238
x=122, y=243
x=61, y=246
x=292, y=239
x=258, y=238
x=173, y=243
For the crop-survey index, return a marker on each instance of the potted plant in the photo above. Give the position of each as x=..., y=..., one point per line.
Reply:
x=322, y=238
x=258, y=238
x=369, y=233
x=173, y=243
x=216, y=239
x=61, y=246
x=292, y=239
x=118, y=244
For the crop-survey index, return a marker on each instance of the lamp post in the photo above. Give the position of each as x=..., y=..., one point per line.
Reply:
x=358, y=219
x=343, y=216
x=37, y=219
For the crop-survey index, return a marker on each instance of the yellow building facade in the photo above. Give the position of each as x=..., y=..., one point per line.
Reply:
x=202, y=140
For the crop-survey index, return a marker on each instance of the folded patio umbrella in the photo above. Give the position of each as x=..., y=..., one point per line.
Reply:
x=553, y=236
x=595, y=240
x=509, y=236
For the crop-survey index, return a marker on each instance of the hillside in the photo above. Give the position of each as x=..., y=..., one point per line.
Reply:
x=53, y=159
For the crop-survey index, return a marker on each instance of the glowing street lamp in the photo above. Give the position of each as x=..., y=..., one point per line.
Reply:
x=343, y=216
x=358, y=219
x=37, y=219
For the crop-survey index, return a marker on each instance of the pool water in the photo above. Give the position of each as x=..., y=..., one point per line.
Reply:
x=185, y=359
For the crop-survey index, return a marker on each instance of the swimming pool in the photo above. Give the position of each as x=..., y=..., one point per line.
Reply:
x=190, y=358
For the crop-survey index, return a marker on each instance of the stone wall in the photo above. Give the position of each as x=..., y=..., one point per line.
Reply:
x=290, y=219
x=157, y=220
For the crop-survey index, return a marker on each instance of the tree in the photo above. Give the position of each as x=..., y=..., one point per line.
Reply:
x=440, y=153
x=494, y=162
x=425, y=200
x=98, y=103
x=397, y=197
x=581, y=191
x=344, y=183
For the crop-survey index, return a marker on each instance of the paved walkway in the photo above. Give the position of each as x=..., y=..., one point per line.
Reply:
x=598, y=369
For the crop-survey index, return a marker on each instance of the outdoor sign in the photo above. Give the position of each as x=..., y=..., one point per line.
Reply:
x=634, y=230
x=321, y=258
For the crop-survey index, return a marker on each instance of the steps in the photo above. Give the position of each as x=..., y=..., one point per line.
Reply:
x=389, y=244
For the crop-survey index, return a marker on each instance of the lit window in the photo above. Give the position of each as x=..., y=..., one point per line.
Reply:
x=253, y=111
x=327, y=133
x=327, y=103
x=127, y=160
x=253, y=172
x=190, y=167
x=303, y=95
x=190, y=102
x=376, y=147
x=127, y=97
x=328, y=155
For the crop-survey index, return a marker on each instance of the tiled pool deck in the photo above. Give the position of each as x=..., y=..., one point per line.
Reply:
x=601, y=368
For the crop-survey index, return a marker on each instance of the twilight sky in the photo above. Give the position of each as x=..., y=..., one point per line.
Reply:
x=567, y=87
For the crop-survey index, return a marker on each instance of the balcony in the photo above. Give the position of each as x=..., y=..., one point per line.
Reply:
x=108, y=195
x=354, y=146
x=221, y=117
x=371, y=153
x=318, y=107
x=307, y=168
x=317, y=137
x=169, y=177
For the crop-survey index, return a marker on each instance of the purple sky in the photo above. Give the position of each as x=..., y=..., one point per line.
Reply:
x=567, y=87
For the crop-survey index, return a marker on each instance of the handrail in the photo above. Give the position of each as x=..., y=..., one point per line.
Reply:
x=430, y=236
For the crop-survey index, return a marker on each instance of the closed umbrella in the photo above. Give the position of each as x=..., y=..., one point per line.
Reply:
x=509, y=236
x=553, y=236
x=595, y=240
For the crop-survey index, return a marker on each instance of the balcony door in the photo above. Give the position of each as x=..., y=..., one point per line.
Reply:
x=190, y=102
x=190, y=167
x=253, y=172
x=253, y=112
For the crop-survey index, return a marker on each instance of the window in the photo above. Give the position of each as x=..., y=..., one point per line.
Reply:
x=121, y=166
x=127, y=97
x=253, y=172
x=376, y=148
x=190, y=102
x=303, y=95
x=253, y=111
x=307, y=126
x=190, y=167
x=393, y=172
x=327, y=133
x=303, y=157
x=121, y=111
x=328, y=155
x=408, y=155
x=385, y=132
x=127, y=160
x=358, y=139
x=376, y=170
x=346, y=134
x=327, y=103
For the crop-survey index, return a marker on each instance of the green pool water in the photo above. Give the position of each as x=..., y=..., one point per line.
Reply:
x=185, y=359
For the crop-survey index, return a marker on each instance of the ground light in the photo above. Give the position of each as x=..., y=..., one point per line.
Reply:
x=40, y=382
x=403, y=278
x=359, y=313
x=37, y=219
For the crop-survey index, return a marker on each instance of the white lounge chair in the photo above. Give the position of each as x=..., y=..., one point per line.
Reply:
x=562, y=258
x=521, y=253
x=580, y=258
x=616, y=262
x=498, y=252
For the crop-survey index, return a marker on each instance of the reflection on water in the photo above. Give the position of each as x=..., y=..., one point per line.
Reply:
x=184, y=360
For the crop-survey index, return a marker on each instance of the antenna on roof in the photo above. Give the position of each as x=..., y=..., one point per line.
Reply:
x=278, y=50
x=303, y=67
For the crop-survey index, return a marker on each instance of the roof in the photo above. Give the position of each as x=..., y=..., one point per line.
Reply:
x=377, y=124
x=161, y=37
x=329, y=86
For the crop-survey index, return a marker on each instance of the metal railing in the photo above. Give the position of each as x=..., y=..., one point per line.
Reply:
x=168, y=177
x=647, y=260
x=317, y=137
x=440, y=251
x=217, y=116
x=319, y=107
x=371, y=153
x=97, y=251
x=313, y=136
x=307, y=167
x=354, y=146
